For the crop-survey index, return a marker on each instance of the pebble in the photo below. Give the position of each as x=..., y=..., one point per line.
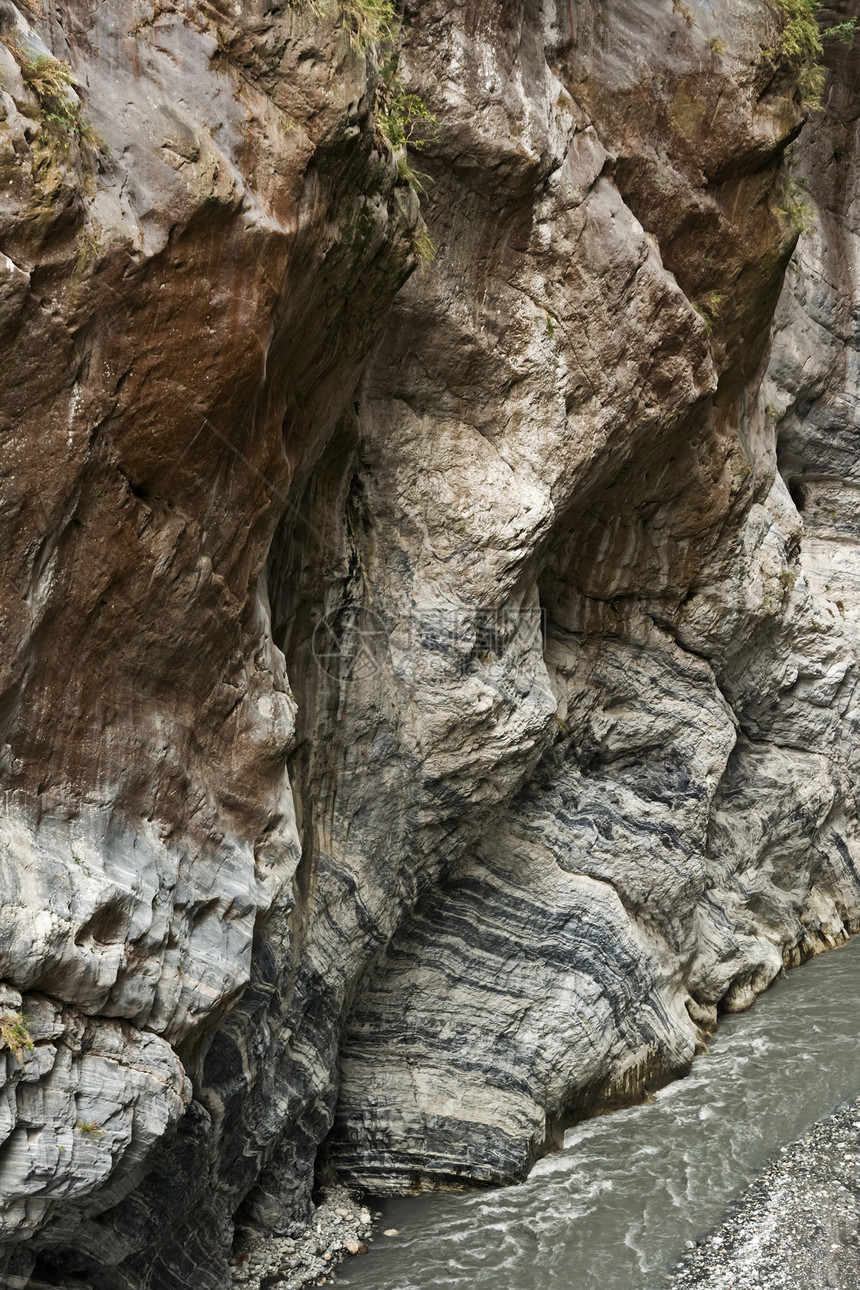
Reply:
x=791, y=1226
x=340, y=1228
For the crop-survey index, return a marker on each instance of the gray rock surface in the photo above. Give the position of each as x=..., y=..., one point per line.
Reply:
x=422, y=706
x=688, y=825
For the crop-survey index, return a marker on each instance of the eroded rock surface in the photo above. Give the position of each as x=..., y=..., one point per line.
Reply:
x=423, y=705
x=690, y=823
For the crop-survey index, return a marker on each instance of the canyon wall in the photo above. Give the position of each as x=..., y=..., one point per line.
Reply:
x=427, y=686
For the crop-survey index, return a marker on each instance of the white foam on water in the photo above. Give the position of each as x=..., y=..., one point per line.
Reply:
x=613, y=1210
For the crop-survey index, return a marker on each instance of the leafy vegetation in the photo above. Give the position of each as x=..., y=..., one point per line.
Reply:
x=709, y=308
x=795, y=207
x=89, y=1128
x=370, y=22
x=50, y=79
x=403, y=120
x=800, y=38
x=14, y=1034
x=800, y=44
x=841, y=31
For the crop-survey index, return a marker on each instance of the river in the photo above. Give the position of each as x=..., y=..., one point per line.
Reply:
x=614, y=1209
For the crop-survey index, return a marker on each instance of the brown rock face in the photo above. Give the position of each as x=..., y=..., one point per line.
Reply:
x=188, y=298
x=423, y=698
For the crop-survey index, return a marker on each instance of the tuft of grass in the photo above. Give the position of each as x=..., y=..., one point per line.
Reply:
x=716, y=45
x=422, y=245
x=685, y=11
x=709, y=308
x=89, y=1128
x=800, y=44
x=796, y=209
x=50, y=79
x=800, y=39
x=14, y=1034
x=369, y=22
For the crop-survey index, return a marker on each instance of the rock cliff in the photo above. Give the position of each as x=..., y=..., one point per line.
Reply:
x=427, y=684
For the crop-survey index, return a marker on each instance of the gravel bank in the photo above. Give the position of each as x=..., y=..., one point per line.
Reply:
x=798, y=1224
x=341, y=1227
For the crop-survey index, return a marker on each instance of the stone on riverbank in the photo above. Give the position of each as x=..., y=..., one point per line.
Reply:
x=340, y=1227
x=799, y=1222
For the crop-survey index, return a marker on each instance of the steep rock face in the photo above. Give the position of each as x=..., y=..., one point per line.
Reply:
x=189, y=295
x=691, y=825
x=445, y=728
x=813, y=378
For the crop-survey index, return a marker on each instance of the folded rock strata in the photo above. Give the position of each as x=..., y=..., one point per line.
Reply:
x=427, y=691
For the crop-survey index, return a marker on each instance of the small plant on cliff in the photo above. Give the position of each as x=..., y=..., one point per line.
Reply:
x=369, y=22
x=787, y=580
x=50, y=80
x=89, y=1128
x=422, y=245
x=795, y=207
x=404, y=120
x=14, y=1034
x=841, y=31
x=800, y=44
x=709, y=308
